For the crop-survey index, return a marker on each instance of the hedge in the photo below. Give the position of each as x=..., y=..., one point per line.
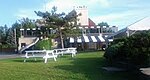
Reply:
x=44, y=44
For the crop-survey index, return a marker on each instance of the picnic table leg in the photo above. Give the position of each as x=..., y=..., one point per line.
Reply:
x=54, y=58
x=45, y=60
x=62, y=54
x=34, y=59
x=24, y=60
x=72, y=55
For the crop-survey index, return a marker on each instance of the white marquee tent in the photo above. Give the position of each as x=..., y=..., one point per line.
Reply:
x=143, y=24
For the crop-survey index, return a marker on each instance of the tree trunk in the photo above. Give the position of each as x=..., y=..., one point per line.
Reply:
x=61, y=39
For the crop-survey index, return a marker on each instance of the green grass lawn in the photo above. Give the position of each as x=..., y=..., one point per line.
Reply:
x=85, y=66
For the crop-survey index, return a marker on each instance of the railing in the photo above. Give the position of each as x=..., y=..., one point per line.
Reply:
x=23, y=48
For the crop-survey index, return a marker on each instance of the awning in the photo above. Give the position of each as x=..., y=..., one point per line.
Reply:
x=79, y=40
x=94, y=39
x=101, y=38
x=87, y=39
x=110, y=40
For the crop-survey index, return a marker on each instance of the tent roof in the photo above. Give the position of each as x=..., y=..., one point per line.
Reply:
x=143, y=24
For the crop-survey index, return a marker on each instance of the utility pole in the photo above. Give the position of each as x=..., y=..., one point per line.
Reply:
x=15, y=36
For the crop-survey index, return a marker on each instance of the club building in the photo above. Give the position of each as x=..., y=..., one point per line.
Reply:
x=92, y=37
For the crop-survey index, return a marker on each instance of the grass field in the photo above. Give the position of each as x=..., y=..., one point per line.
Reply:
x=85, y=66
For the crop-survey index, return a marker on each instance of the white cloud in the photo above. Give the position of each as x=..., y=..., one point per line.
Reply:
x=121, y=19
x=24, y=13
x=121, y=10
x=67, y=5
x=104, y=3
x=101, y=3
x=62, y=5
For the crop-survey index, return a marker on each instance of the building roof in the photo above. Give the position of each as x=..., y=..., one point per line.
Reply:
x=143, y=24
x=91, y=23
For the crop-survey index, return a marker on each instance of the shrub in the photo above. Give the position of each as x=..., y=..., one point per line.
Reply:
x=44, y=44
x=133, y=50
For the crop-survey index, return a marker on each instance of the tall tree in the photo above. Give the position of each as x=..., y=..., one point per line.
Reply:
x=6, y=37
x=10, y=38
x=65, y=25
x=27, y=23
x=102, y=24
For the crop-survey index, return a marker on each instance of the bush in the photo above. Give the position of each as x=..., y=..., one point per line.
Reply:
x=133, y=50
x=7, y=46
x=112, y=51
x=44, y=44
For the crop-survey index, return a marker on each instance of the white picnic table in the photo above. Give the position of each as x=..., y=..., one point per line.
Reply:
x=63, y=51
x=46, y=54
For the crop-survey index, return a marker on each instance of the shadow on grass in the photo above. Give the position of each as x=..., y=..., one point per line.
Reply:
x=91, y=68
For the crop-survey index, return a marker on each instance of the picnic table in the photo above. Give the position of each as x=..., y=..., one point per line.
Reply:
x=63, y=51
x=45, y=54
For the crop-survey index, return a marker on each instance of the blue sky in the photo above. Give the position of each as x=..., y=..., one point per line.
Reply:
x=115, y=12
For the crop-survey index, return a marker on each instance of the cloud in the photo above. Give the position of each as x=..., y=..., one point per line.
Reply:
x=67, y=5
x=118, y=12
x=24, y=13
x=62, y=5
x=121, y=19
x=104, y=3
x=101, y=3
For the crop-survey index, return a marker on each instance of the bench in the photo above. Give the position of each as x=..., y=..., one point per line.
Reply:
x=45, y=54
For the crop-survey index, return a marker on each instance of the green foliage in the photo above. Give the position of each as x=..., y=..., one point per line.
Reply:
x=27, y=23
x=113, y=51
x=103, y=24
x=44, y=44
x=16, y=26
x=104, y=29
x=7, y=37
x=134, y=49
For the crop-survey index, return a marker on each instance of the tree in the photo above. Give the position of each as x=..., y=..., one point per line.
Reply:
x=3, y=30
x=10, y=39
x=27, y=23
x=102, y=24
x=16, y=26
x=6, y=37
x=63, y=24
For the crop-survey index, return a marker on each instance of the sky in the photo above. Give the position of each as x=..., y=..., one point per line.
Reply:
x=120, y=13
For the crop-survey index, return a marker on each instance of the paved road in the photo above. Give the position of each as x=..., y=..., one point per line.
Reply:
x=6, y=56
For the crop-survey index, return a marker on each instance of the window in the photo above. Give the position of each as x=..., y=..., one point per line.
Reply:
x=93, y=30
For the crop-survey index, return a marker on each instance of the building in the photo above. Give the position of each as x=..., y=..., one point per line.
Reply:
x=91, y=38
